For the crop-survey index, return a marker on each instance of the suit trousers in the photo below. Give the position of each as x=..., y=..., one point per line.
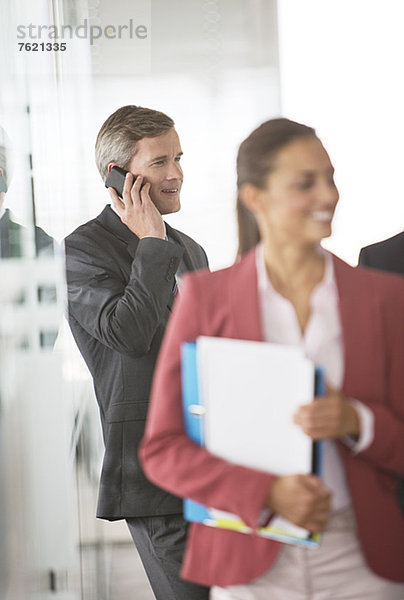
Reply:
x=336, y=570
x=160, y=541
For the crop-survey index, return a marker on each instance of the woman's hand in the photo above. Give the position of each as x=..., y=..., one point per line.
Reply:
x=329, y=416
x=302, y=499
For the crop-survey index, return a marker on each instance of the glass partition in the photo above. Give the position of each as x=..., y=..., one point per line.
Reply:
x=66, y=65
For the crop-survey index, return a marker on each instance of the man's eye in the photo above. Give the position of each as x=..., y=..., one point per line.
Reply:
x=178, y=158
x=158, y=163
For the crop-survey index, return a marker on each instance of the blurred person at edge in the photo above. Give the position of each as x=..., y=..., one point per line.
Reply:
x=387, y=255
x=286, y=289
x=12, y=233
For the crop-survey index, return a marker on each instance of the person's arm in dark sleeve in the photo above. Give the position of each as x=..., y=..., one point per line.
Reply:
x=364, y=257
x=123, y=316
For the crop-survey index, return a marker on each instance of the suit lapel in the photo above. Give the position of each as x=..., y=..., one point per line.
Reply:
x=244, y=299
x=359, y=309
x=188, y=258
x=111, y=221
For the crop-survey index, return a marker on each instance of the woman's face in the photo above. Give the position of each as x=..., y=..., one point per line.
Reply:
x=300, y=195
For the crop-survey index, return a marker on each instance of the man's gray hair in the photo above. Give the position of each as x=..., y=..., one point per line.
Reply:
x=117, y=138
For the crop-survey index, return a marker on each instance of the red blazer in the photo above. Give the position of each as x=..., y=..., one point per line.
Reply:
x=225, y=303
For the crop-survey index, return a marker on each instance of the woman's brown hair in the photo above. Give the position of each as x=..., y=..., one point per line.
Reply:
x=255, y=160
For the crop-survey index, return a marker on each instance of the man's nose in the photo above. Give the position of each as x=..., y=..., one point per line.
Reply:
x=174, y=171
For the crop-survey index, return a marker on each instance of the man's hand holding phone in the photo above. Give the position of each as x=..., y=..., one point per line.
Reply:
x=136, y=208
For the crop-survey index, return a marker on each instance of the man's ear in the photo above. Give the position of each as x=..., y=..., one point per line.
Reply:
x=249, y=195
x=112, y=164
x=1, y=172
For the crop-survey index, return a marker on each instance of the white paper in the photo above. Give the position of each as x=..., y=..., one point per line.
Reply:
x=250, y=391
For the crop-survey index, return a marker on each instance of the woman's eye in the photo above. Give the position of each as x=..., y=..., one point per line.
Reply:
x=304, y=185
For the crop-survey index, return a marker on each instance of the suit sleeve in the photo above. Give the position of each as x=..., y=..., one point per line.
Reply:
x=123, y=315
x=169, y=458
x=364, y=257
x=205, y=258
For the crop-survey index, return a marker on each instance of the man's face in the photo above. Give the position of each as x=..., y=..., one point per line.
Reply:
x=157, y=159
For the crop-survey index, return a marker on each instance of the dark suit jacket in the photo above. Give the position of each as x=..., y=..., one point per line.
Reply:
x=11, y=234
x=387, y=255
x=120, y=292
x=226, y=303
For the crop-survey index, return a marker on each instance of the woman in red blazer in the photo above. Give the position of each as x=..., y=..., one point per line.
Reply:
x=287, y=197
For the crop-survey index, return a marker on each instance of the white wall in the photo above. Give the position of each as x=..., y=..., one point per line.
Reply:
x=341, y=64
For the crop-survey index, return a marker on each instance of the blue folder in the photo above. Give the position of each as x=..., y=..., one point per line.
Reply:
x=193, y=410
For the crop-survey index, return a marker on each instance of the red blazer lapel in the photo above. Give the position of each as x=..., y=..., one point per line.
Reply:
x=244, y=300
x=359, y=309
x=359, y=306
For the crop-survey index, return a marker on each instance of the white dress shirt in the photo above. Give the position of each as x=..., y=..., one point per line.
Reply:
x=323, y=344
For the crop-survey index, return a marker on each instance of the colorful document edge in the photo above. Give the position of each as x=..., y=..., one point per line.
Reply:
x=193, y=411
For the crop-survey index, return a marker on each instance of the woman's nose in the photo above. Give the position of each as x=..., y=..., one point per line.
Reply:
x=329, y=193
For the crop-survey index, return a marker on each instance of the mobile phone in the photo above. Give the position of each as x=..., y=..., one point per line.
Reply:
x=116, y=179
x=3, y=184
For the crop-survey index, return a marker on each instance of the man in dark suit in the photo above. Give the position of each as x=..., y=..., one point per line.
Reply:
x=387, y=255
x=122, y=271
